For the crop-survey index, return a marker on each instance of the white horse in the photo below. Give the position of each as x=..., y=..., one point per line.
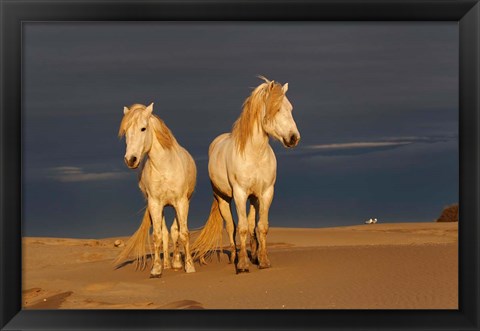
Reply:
x=167, y=178
x=242, y=166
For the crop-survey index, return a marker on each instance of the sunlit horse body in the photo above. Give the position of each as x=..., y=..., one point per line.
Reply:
x=167, y=178
x=242, y=166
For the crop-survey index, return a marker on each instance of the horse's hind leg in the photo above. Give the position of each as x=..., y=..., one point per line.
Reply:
x=182, y=215
x=226, y=213
x=176, y=259
x=166, y=253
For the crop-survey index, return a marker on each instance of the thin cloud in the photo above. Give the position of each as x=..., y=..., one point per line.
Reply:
x=363, y=147
x=75, y=174
x=358, y=145
x=423, y=139
x=383, y=143
x=200, y=158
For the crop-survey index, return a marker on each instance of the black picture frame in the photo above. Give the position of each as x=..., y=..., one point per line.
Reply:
x=15, y=12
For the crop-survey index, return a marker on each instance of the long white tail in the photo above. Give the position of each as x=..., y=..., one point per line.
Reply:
x=211, y=235
x=136, y=244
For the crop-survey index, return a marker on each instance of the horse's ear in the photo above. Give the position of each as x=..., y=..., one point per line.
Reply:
x=285, y=88
x=125, y=110
x=149, y=109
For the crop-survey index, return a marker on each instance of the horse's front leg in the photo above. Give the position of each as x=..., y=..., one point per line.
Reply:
x=156, y=213
x=165, y=239
x=251, y=228
x=262, y=228
x=176, y=259
x=240, y=197
x=182, y=215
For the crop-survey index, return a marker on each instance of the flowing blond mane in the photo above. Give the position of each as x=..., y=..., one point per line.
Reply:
x=269, y=94
x=162, y=132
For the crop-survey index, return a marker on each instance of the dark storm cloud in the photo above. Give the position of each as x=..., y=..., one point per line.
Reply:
x=363, y=91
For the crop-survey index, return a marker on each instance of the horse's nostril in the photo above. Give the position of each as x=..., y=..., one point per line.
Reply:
x=293, y=139
x=133, y=159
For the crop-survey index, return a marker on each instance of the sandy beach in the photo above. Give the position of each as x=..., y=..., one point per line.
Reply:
x=375, y=266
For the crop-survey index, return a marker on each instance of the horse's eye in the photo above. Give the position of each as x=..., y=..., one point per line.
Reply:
x=143, y=129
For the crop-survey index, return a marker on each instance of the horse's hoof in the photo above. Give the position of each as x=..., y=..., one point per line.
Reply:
x=263, y=262
x=189, y=268
x=242, y=271
x=155, y=276
x=177, y=266
x=167, y=266
x=243, y=264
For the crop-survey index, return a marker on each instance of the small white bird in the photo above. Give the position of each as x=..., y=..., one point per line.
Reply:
x=371, y=221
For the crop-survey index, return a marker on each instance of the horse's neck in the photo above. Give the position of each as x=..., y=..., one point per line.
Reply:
x=258, y=142
x=158, y=155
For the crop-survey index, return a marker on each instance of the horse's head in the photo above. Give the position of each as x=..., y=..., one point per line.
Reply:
x=278, y=120
x=135, y=127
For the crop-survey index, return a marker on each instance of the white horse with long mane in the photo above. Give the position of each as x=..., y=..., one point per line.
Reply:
x=242, y=166
x=167, y=178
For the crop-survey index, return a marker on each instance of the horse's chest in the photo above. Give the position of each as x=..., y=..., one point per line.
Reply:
x=256, y=176
x=162, y=185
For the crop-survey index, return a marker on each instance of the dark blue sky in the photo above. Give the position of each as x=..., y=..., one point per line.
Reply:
x=376, y=105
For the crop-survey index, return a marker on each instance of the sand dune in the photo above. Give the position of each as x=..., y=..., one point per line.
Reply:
x=377, y=266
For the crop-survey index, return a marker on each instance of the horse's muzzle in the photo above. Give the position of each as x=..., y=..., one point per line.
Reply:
x=131, y=162
x=292, y=142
